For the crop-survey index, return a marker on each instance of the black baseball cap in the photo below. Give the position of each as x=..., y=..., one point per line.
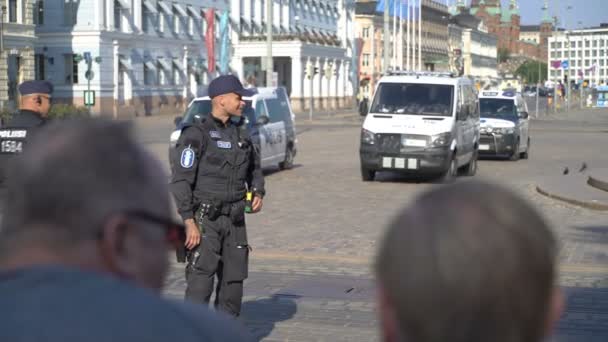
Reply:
x=35, y=87
x=226, y=84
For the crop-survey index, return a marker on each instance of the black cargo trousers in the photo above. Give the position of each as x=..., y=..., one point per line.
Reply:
x=224, y=252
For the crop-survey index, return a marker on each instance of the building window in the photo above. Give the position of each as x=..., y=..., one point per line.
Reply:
x=12, y=11
x=148, y=74
x=39, y=66
x=587, y=63
x=594, y=53
x=71, y=69
x=587, y=53
x=366, y=32
x=595, y=43
x=69, y=12
x=587, y=43
x=365, y=61
x=191, y=26
x=39, y=13
x=553, y=45
x=602, y=53
x=559, y=45
x=580, y=44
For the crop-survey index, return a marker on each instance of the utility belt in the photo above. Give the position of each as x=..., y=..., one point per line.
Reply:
x=212, y=210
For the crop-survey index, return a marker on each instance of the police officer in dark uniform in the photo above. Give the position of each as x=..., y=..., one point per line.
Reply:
x=215, y=166
x=33, y=112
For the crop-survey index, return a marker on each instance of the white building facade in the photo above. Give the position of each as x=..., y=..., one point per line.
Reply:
x=313, y=49
x=586, y=52
x=17, y=57
x=146, y=56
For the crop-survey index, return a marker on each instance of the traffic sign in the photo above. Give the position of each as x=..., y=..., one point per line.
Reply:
x=89, y=97
x=565, y=65
x=87, y=57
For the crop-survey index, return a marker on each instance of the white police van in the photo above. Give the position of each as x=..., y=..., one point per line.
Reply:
x=505, y=125
x=421, y=123
x=268, y=119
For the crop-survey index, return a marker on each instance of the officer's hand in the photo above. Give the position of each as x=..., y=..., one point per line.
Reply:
x=193, y=235
x=256, y=206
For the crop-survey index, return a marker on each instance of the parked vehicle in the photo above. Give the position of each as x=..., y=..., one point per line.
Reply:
x=505, y=125
x=268, y=118
x=421, y=123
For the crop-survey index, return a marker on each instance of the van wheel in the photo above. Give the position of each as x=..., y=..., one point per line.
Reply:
x=288, y=162
x=451, y=173
x=526, y=155
x=367, y=175
x=516, y=154
x=470, y=169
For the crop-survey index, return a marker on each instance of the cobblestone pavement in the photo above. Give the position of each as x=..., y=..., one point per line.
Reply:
x=310, y=276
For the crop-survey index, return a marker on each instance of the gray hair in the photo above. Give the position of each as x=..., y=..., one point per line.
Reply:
x=72, y=176
x=469, y=262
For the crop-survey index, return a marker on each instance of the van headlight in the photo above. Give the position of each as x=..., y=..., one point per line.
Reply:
x=440, y=140
x=367, y=137
x=503, y=130
x=174, y=137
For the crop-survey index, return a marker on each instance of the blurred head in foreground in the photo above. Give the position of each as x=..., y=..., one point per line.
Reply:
x=469, y=262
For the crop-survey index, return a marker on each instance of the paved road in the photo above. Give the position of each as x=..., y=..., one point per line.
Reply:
x=314, y=241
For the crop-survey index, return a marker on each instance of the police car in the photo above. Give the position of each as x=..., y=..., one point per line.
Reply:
x=505, y=125
x=268, y=119
x=421, y=123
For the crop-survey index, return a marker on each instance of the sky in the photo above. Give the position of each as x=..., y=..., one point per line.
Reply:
x=587, y=12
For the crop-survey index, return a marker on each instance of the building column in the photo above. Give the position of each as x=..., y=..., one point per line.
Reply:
x=258, y=10
x=309, y=83
x=318, y=84
x=99, y=15
x=341, y=75
x=237, y=67
x=137, y=15
x=115, y=71
x=296, y=77
x=286, y=18
x=109, y=15
x=247, y=14
x=186, y=93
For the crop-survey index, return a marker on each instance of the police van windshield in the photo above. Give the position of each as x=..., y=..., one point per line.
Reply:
x=497, y=108
x=202, y=108
x=413, y=99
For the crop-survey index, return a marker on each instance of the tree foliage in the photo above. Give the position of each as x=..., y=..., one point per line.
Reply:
x=529, y=72
x=503, y=55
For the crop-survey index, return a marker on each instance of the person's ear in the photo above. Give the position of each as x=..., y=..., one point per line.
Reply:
x=556, y=308
x=115, y=244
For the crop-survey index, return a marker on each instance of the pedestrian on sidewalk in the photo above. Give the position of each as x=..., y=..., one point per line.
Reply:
x=84, y=242
x=469, y=262
x=215, y=166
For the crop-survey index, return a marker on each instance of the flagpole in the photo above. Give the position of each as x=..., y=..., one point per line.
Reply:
x=394, y=16
x=400, y=34
x=386, y=37
x=407, y=43
x=420, y=35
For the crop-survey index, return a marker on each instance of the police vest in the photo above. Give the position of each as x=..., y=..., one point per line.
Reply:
x=12, y=143
x=223, y=165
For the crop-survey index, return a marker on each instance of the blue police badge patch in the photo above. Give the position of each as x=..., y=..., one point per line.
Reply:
x=224, y=144
x=187, y=158
x=215, y=134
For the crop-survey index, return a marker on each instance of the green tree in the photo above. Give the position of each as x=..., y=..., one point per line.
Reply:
x=503, y=55
x=529, y=72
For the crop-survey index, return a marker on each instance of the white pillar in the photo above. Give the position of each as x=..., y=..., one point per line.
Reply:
x=247, y=12
x=115, y=71
x=109, y=15
x=259, y=7
x=307, y=91
x=276, y=13
x=297, y=73
x=341, y=78
x=318, y=85
x=286, y=18
x=137, y=15
x=99, y=17
x=186, y=81
x=237, y=65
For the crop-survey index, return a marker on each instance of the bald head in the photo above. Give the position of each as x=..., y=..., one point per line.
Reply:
x=74, y=186
x=468, y=262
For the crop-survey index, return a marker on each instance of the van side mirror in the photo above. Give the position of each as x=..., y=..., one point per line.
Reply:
x=178, y=120
x=262, y=120
x=524, y=115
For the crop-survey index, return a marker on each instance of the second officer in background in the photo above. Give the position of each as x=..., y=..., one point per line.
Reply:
x=215, y=165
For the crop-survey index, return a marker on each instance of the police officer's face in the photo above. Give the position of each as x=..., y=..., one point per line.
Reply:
x=233, y=104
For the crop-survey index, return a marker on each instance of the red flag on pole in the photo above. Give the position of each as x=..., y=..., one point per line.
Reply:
x=210, y=38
